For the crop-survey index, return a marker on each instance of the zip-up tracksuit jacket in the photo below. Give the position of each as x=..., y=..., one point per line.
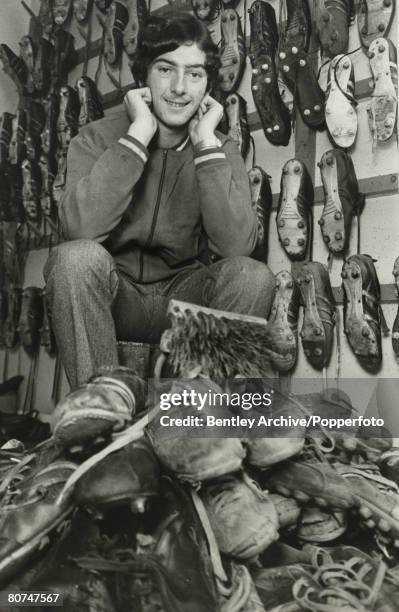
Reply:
x=156, y=210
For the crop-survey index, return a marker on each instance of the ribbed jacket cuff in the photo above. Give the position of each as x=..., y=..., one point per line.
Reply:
x=135, y=145
x=208, y=155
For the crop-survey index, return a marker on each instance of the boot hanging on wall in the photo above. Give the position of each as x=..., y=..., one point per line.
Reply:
x=138, y=12
x=82, y=9
x=294, y=218
x=232, y=52
x=62, y=10
x=374, y=19
x=273, y=114
x=90, y=101
x=15, y=67
x=35, y=122
x=383, y=107
x=205, y=9
x=317, y=330
x=282, y=325
x=342, y=199
x=333, y=26
x=262, y=202
x=395, y=326
x=296, y=64
x=67, y=128
x=340, y=105
x=237, y=122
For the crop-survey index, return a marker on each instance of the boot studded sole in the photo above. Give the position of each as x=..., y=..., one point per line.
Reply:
x=383, y=107
x=238, y=131
x=332, y=219
x=262, y=202
x=232, y=51
x=374, y=19
x=395, y=327
x=333, y=26
x=137, y=12
x=292, y=226
x=312, y=333
x=341, y=117
x=283, y=331
x=359, y=332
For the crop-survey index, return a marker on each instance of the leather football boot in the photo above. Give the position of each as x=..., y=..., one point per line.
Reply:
x=319, y=312
x=5, y=138
x=230, y=499
x=35, y=121
x=49, y=136
x=105, y=404
x=362, y=310
x=31, y=318
x=273, y=113
x=294, y=214
x=189, y=457
x=262, y=202
x=238, y=129
x=13, y=313
x=46, y=17
x=90, y=102
x=82, y=10
x=31, y=191
x=296, y=66
x=47, y=338
x=382, y=111
x=129, y=476
x=61, y=11
x=31, y=516
x=56, y=571
x=28, y=55
x=114, y=24
x=232, y=51
x=138, y=12
x=306, y=482
x=17, y=150
x=333, y=26
x=205, y=9
x=282, y=325
x=5, y=210
x=41, y=74
x=374, y=19
x=342, y=199
x=395, y=326
x=14, y=66
x=340, y=109
x=47, y=201
x=65, y=57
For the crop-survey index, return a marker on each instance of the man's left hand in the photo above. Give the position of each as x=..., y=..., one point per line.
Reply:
x=202, y=127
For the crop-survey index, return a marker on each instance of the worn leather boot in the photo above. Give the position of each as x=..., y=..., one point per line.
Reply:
x=35, y=121
x=5, y=138
x=28, y=54
x=13, y=314
x=340, y=109
x=342, y=199
x=374, y=19
x=319, y=312
x=238, y=129
x=31, y=186
x=61, y=11
x=114, y=24
x=31, y=318
x=232, y=51
x=333, y=26
x=14, y=66
x=82, y=9
x=362, y=310
x=294, y=214
x=138, y=12
x=262, y=202
x=273, y=113
x=90, y=101
x=205, y=9
x=395, y=326
x=382, y=110
x=282, y=325
x=296, y=66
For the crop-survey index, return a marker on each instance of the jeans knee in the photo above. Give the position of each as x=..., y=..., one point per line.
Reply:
x=76, y=260
x=250, y=273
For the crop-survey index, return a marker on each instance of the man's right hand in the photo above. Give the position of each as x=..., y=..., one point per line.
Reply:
x=144, y=125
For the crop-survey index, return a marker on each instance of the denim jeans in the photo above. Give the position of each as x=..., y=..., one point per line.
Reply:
x=92, y=304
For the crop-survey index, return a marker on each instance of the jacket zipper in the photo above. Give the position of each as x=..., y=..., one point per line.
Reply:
x=156, y=210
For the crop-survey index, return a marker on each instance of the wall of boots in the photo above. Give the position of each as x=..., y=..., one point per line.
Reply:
x=313, y=115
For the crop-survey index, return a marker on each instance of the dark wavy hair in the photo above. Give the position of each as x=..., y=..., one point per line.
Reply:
x=166, y=32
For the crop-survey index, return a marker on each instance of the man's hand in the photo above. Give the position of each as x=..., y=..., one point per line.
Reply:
x=144, y=125
x=202, y=127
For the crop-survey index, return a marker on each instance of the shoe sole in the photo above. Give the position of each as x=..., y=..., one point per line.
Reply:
x=328, y=26
x=291, y=227
x=383, y=106
x=379, y=18
x=359, y=333
x=232, y=57
x=312, y=333
x=236, y=117
x=284, y=338
x=341, y=117
x=85, y=425
x=332, y=222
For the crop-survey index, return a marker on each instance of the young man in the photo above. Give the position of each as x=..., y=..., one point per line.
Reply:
x=148, y=189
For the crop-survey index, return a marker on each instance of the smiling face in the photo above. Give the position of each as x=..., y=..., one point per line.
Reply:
x=178, y=82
